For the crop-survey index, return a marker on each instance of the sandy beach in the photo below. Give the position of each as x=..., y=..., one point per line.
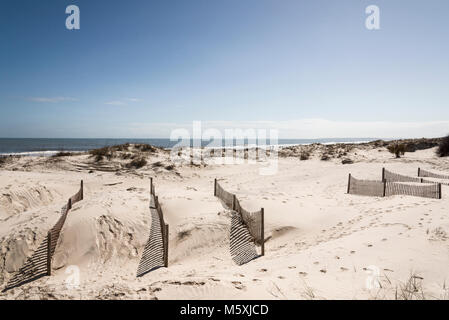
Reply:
x=321, y=243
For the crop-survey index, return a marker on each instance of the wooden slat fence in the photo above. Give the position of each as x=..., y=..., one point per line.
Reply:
x=427, y=174
x=247, y=228
x=431, y=190
x=39, y=264
x=396, y=177
x=155, y=253
x=371, y=188
x=385, y=188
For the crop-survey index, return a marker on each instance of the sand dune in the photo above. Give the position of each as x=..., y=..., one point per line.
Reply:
x=321, y=242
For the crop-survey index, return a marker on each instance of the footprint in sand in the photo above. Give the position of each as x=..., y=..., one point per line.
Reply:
x=344, y=269
x=238, y=285
x=302, y=273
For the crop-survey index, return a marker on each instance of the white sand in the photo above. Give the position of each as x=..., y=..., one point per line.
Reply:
x=322, y=241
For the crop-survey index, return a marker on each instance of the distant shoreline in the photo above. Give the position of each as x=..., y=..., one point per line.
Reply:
x=49, y=147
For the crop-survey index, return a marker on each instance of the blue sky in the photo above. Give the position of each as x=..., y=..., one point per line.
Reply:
x=140, y=68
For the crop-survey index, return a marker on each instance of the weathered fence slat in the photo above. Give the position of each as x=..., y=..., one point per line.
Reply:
x=253, y=222
x=390, y=187
x=428, y=174
x=39, y=263
x=155, y=253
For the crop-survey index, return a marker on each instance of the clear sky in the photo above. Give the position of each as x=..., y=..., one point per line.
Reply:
x=139, y=68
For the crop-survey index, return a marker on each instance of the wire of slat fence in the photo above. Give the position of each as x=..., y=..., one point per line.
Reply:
x=38, y=264
x=443, y=182
x=155, y=253
x=253, y=222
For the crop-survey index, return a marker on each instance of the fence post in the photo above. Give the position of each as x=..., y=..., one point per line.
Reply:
x=166, y=246
x=151, y=185
x=82, y=190
x=215, y=187
x=263, y=231
x=385, y=188
x=439, y=191
x=69, y=204
x=349, y=183
x=419, y=172
x=383, y=174
x=49, y=253
x=233, y=202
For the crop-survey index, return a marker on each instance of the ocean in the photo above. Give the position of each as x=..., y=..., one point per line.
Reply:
x=48, y=147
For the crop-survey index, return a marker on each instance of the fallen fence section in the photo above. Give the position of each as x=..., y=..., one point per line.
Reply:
x=384, y=188
x=155, y=253
x=247, y=228
x=428, y=174
x=39, y=264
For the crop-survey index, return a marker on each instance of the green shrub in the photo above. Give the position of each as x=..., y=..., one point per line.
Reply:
x=443, y=148
x=120, y=147
x=170, y=167
x=146, y=147
x=304, y=156
x=398, y=149
x=62, y=154
x=158, y=164
x=137, y=163
x=102, y=153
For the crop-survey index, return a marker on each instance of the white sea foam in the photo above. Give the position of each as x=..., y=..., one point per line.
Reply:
x=47, y=153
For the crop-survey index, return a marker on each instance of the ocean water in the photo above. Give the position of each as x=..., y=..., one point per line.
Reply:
x=42, y=147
